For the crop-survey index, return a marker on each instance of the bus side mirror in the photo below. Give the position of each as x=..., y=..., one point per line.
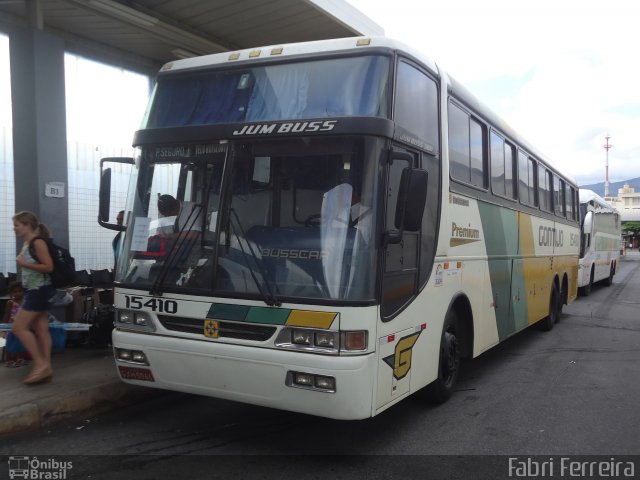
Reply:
x=104, y=207
x=412, y=198
x=587, y=223
x=105, y=196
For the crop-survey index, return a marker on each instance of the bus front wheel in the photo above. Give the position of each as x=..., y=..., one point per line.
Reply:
x=440, y=390
x=586, y=290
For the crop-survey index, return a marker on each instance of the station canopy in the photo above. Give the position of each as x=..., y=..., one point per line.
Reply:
x=152, y=32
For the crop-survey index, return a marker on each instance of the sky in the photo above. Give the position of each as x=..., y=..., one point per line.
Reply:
x=563, y=73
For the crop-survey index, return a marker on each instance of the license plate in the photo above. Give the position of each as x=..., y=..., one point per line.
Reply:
x=133, y=373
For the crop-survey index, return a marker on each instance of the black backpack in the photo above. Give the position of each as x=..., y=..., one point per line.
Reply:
x=101, y=319
x=64, y=265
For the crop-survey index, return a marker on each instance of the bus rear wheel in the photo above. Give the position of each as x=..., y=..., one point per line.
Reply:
x=549, y=321
x=609, y=280
x=440, y=390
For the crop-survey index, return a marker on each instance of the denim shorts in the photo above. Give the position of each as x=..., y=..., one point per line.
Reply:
x=37, y=299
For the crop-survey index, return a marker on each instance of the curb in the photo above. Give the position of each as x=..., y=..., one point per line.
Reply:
x=50, y=411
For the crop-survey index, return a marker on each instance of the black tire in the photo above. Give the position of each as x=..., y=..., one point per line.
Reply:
x=586, y=290
x=609, y=280
x=547, y=323
x=562, y=301
x=441, y=389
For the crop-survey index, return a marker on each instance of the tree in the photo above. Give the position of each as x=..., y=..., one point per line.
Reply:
x=631, y=227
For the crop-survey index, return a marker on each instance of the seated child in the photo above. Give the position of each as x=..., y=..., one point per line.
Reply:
x=16, y=293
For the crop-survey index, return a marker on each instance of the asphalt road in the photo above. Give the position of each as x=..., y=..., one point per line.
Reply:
x=572, y=391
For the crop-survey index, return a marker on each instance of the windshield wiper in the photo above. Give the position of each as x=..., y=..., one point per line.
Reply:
x=172, y=257
x=268, y=297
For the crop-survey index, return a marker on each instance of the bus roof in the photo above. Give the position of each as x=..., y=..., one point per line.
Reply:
x=587, y=196
x=294, y=49
x=272, y=52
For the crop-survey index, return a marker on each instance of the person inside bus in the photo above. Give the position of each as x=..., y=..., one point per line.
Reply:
x=174, y=215
x=177, y=221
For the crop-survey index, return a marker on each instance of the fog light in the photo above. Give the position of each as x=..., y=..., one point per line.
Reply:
x=356, y=340
x=301, y=337
x=304, y=379
x=131, y=356
x=139, y=357
x=325, y=383
x=325, y=339
x=122, y=354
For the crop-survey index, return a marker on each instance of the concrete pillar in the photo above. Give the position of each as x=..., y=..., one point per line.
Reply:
x=39, y=128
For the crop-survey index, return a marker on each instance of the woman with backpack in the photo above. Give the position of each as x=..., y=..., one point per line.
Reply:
x=31, y=324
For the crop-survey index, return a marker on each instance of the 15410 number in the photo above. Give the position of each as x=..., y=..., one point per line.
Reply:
x=161, y=305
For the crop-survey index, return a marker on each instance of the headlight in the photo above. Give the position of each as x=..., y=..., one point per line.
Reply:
x=142, y=318
x=325, y=339
x=134, y=320
x=302, y=337
x=309, y=340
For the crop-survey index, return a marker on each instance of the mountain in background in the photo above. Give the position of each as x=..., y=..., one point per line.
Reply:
x=613, y=186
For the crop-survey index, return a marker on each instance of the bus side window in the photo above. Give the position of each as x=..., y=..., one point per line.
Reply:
x=467, y=148
x=544, y=188
x=416, y=105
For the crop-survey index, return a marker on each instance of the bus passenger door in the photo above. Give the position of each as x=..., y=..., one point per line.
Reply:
x=400, y=275
x=399, y=287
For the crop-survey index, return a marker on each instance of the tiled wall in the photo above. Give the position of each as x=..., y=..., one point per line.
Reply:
x=7, y=203
x=103, y=104
x=90, y=244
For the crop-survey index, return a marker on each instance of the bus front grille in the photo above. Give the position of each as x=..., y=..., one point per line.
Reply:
x=241, y=331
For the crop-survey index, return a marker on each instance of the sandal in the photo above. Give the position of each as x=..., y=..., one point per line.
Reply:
x=39, y=376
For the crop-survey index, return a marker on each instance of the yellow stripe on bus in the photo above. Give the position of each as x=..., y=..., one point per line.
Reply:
x=535, y=272
x=306, y=318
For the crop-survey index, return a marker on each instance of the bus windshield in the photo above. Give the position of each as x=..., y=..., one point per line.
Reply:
x=354, y=86
x=266, y=219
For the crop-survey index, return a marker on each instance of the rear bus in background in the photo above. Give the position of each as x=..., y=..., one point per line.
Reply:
x=349, y=223
x=599, y=242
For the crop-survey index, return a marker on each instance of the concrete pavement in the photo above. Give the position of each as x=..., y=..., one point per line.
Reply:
x=85, y=382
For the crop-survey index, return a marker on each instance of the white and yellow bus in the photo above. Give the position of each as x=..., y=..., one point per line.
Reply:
x=600, y=241
x=329, y=227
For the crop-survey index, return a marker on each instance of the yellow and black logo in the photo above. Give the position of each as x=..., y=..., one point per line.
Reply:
x=400, y=361
x=211, y=329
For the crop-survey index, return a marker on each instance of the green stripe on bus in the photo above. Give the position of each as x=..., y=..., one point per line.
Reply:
x=500, y=226
x=225, y=311
x=244, y=313
x=270, y=316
